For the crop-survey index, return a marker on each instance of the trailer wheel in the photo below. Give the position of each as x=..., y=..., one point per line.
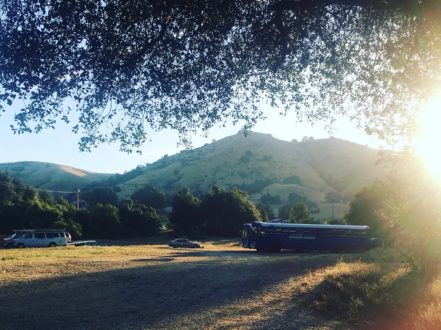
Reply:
x=20, y=245
x=52, y=244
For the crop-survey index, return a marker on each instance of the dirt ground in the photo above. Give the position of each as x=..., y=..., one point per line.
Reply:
x=156, y=287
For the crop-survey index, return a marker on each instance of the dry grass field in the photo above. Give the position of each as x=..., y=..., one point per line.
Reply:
x=156, y=287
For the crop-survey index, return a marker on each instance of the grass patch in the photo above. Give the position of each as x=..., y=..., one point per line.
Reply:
x=9, y=258
x=383, y=289
x=154, y=286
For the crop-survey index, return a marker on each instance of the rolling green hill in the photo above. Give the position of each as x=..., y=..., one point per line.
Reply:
x=324, y=173
x=51, y=176
x=327, y=172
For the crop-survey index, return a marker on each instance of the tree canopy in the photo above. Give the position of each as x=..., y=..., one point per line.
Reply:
x=368, y=208
x=118, y=70
x=101, y=195
x=185, y=216
x=150, y=196
x=299, y=213
x=219, y=212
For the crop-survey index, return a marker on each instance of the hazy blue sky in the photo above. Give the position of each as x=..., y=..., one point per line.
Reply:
x=60, y=145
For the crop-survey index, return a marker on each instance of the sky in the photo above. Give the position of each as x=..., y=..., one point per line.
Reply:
x=60, y=146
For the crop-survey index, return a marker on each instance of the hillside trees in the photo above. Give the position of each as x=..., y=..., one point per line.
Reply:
x=135, y=66
x=299, y=213
x=219, y=212
x=270, y=199
x=286, y=210
x=102, y=221
x=124, y=219
x=138, y=220
x=294, y=198
x=9, y=188
x=150, y=196
x=370, y=207
x=283, y=212
x=106, y=217
x=185, y=216
x=224, y=212
x=101, y=195
x=266, y=212
x=22, y=207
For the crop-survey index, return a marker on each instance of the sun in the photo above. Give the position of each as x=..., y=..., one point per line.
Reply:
x=427, y=142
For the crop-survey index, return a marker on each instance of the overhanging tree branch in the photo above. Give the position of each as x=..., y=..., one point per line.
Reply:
x=189, y=65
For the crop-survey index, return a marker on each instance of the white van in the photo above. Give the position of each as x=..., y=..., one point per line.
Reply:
x=38, y=237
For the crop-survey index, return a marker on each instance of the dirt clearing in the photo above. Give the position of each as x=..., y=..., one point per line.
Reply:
x=155, y=287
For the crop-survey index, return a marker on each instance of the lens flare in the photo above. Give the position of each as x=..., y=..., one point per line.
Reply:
x=427, y=141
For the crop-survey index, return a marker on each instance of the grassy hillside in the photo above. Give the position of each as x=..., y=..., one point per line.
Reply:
x=327, y=172
x=51, y=176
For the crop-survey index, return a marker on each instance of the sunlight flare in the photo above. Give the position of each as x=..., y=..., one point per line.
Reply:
x=428, y=136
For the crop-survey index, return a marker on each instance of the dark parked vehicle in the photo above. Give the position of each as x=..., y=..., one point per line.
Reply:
x=183, y=242
x=273, y=237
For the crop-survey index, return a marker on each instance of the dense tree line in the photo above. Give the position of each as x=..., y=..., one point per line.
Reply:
x=105, y=216
x=219, y=212
x=123, y=220
x=23, y=206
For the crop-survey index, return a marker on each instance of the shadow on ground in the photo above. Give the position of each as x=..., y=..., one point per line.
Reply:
x=160, y=293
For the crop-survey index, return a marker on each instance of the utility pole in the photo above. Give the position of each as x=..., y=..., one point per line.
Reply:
x=333, y=207
x=78, y=199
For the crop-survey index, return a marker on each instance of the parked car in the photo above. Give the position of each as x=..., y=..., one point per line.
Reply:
x=37, y=237
x=183, y=242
